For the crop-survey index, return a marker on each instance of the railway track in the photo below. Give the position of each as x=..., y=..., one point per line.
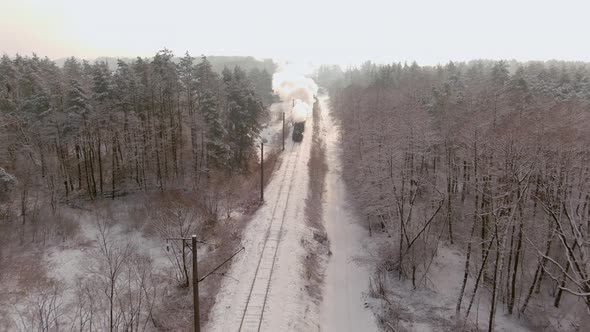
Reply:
x=253, y=313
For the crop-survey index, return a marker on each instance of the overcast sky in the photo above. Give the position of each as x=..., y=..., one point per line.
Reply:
x=318, y=31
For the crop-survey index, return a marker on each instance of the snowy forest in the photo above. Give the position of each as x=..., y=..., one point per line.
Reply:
x=469, y=185
x=321, y=166
x=59, y=118
x=487, y=158
x=101, y=164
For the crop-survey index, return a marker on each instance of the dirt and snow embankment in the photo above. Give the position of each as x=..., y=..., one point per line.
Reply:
x=318, y=245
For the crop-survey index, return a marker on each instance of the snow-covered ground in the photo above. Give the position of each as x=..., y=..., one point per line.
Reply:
x=347, y=277
x=70, y=263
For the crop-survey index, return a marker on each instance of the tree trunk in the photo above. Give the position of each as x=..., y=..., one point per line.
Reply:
x=449, y=194
x=561, y=285
x=479, y=276
x=77, y=149
x=516, y=261
x=494, y=284
x=475, y=214
x=466, y=273
x=100, y=161
x=113, y=171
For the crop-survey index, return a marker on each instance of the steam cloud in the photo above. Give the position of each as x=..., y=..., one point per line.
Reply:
x=292, y=86
x=300, y=111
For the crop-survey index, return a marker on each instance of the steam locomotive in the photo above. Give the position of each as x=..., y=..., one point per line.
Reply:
x=298, y=129
x=299, y=123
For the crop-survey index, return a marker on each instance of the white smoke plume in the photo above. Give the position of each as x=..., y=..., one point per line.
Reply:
x=300, y=111
x=295, y=90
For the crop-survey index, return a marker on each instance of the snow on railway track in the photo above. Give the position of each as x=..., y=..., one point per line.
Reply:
x=254, y=310
x=263, y=291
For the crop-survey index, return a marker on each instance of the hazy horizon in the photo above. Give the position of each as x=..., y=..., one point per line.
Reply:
x=427, y=32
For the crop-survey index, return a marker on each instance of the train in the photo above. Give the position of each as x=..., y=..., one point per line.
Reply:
x=300, y=114
x=298, y=128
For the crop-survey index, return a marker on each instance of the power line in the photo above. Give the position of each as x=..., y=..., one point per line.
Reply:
x=193, y=247
x=220, y=265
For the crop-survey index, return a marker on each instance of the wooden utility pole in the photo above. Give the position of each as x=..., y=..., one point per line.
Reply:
x=196, y=280
x=283, y=131
x=196, y=317
x=262, y=171
x=197, y=323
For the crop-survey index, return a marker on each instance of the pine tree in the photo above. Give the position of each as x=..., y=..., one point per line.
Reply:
x=77, y=105
x=8, y=85
x=244, y=109
x=102, y=83
x=210, y=109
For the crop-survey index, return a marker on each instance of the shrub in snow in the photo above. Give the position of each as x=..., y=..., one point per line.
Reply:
x=7, y=184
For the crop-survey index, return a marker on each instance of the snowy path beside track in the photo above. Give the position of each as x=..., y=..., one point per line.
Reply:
x=347, y=278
